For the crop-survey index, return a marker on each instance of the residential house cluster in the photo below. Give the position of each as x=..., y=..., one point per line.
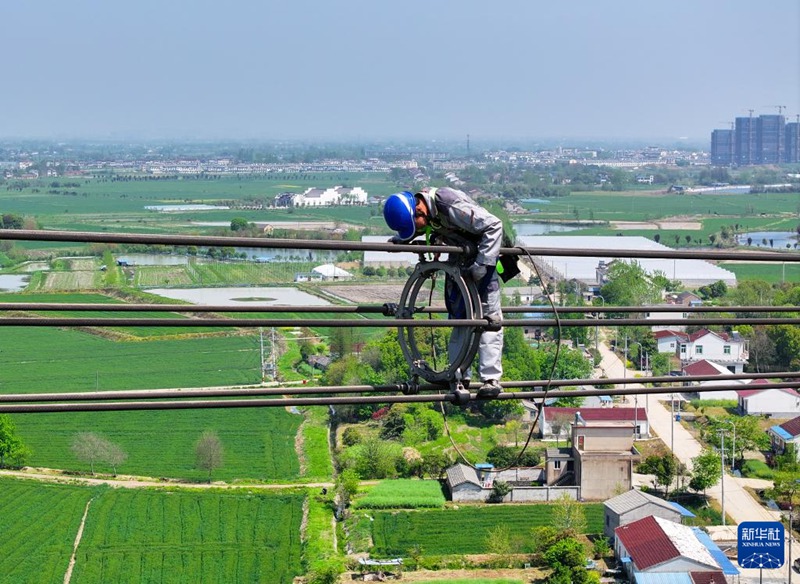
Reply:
x=599, y=462
x=316, y=197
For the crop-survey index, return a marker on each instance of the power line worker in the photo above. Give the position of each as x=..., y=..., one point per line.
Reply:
x=450, y=216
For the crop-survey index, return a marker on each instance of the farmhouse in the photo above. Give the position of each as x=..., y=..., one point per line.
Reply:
x=634, y=505
x=732, y=350
x=653, y=545
x=782, y=402
x=705, y=367
x=466, y=483
x=786, y=435
x=315, y=197
x=557, y=422
x=600, y=462
x=729, y=350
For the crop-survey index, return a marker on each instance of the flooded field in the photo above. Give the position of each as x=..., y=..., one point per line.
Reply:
x=233, y=296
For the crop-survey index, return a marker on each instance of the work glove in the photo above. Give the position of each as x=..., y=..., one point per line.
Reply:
x=476, y=271
x=396, y=239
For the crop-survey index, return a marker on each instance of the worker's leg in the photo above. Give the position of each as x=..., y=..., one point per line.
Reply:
x=490, y=348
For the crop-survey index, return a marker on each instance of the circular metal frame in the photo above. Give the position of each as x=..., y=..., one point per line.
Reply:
x=468, y=347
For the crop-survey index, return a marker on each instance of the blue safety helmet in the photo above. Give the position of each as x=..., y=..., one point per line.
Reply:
x=399, y=213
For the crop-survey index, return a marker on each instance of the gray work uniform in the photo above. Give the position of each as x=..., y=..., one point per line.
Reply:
x=453, y=212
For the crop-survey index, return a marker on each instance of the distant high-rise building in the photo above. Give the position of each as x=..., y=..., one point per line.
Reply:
x=722, y=147
x=791, y=152
x=744, y=149
x=770, y=131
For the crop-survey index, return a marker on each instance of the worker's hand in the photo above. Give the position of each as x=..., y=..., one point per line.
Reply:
x=476, y=271
x=395, y=239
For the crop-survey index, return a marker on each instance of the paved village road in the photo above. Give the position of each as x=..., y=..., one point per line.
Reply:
x=738, y=503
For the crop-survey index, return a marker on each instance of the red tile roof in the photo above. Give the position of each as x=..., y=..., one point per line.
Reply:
x=599, y=414
x=665, y=334
x=703, y=332
x=707, y=577
x=701, y=368
x=792, y=426
x=751, y=392
x=646, y=543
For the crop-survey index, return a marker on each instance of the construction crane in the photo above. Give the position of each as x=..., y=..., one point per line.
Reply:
x=780, y=108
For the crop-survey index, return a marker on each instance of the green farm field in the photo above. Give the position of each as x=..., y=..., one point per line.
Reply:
x=769, y=272
x=259, y=443
x=140, y=536
x=147, y=535
x=119, y=205
x=650, y=205
x=461, y=531
x=38, y=523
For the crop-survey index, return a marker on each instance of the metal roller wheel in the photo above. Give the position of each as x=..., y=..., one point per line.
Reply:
x=415, y=295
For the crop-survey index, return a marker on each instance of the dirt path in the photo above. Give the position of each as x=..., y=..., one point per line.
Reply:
x=129, y=482
x=78, y=536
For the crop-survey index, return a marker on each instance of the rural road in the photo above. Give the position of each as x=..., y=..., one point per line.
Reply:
x=739, y=504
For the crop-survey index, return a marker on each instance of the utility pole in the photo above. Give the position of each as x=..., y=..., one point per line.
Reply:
x=272, y=355
x=625, y=362
x=722, y=477
x=789, y=535
x=261, y=351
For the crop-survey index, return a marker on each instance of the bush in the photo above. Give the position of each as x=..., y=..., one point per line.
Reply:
x=756, y=469
x=352, y=436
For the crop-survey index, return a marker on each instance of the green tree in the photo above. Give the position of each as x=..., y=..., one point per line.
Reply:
x=435, y=463
x=375, y=459
x=629, y=285
x=706, y=471
x=749, y=435
x=569, y=516
x=239, y=224
x=664, y=468
x=347, y=483
x=786, y=339
x=499, y=410
x=520, y=360
x=499, y=490
x=11, y=448
x=567, y=558
x=500, y=541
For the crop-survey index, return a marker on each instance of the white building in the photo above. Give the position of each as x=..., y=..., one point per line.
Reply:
x=331, y=272
x=338, y=195
x=782, y=402
x=784, y=435
x=387, y=259
x=692, y=273
x=723, y=374
x=728, y=350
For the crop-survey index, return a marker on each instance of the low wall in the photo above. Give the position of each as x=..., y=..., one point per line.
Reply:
x=519, y=494
x=531, y=494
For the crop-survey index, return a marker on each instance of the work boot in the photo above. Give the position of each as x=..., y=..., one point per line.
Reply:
x=490, y=388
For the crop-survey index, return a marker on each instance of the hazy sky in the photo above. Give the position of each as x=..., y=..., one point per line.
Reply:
x=345, y=69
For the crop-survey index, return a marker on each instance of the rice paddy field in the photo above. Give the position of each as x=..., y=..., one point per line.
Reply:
x=147, y=536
